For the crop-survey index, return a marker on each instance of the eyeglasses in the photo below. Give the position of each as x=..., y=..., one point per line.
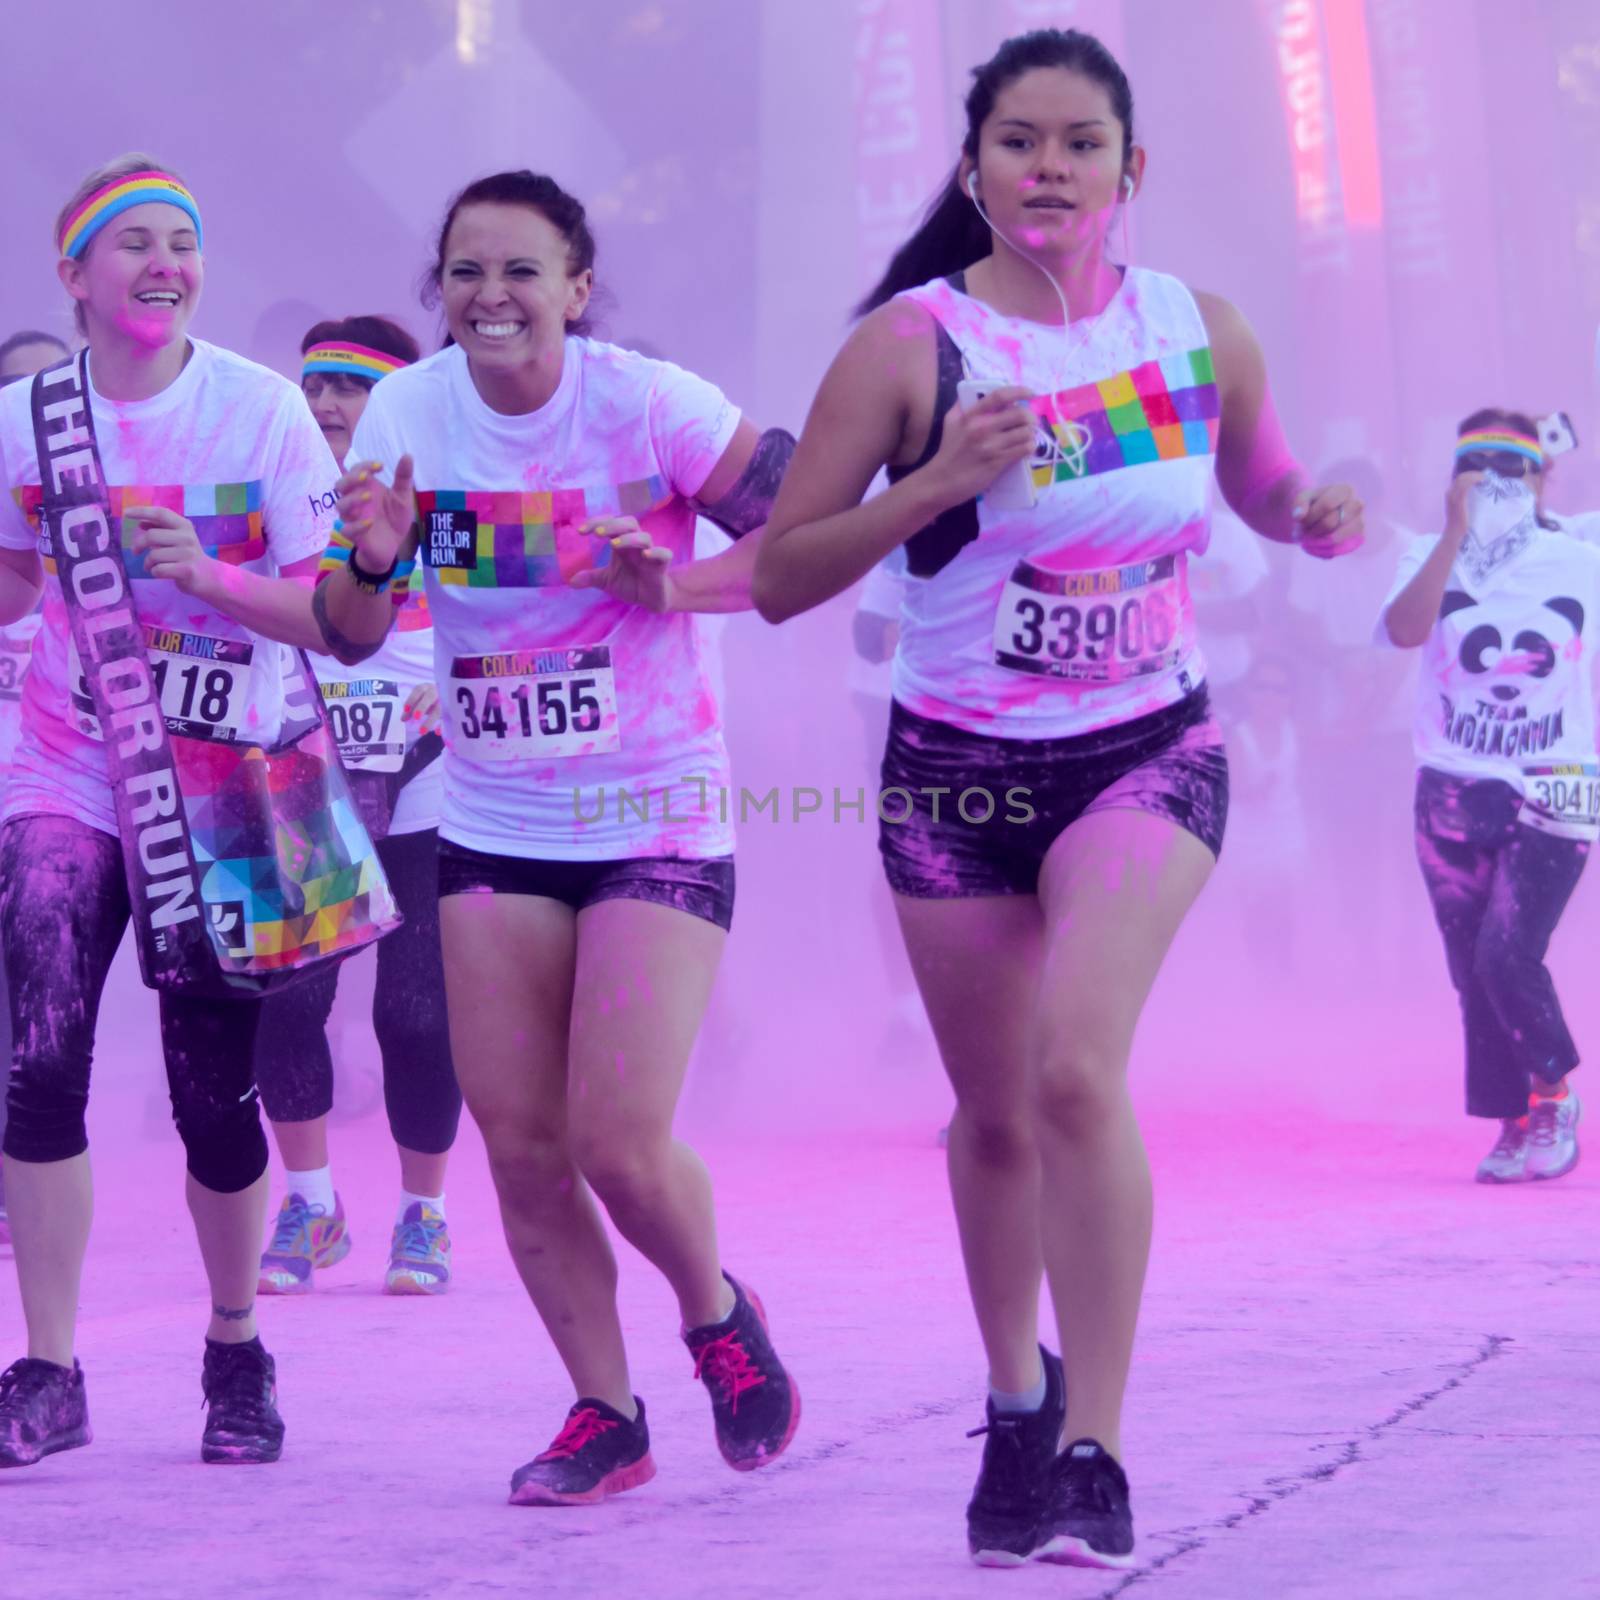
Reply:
x=1506, y=462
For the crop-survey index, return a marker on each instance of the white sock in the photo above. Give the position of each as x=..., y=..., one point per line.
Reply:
x=434, y=1202
x=1030, y=1400
x=315, y=1188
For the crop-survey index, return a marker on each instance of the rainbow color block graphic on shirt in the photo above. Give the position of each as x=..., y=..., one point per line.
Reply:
x=226, y=517
x=488, y=539
x=1158, y=411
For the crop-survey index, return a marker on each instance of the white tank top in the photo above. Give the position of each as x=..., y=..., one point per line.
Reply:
x=1075, y=615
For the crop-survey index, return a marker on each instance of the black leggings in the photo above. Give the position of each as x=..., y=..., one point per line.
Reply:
x=1498, y=889
x=293, y=1064
x=63, y=909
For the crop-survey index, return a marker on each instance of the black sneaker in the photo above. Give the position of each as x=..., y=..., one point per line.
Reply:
x=598, y=1452
x=1014, y=1480
x=1088, y=1521
x=43, y=1408
x=241, y=1389
x=754, y=1402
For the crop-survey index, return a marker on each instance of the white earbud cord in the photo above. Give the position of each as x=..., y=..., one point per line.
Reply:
x=1081, y=433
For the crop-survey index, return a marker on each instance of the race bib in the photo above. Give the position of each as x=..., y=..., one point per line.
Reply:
x=203, y=684
x=368, y=723
x=1098, y=627
x=13, y=665
x=1562, y=798
x=529, y=705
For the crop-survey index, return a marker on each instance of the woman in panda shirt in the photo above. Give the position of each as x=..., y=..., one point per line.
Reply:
x=1506, y=608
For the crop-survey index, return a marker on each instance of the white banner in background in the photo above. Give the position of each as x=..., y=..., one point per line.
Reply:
x=902, y=145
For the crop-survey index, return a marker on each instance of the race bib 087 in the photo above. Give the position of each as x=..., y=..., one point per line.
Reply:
x=366, y=716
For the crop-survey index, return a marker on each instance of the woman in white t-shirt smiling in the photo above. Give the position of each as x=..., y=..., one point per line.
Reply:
x=586, y=869
x=1506, y=608
x=217, y=479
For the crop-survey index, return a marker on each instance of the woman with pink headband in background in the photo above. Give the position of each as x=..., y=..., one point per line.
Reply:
x=219, y=488
x=384, y=713
x=1505, y=606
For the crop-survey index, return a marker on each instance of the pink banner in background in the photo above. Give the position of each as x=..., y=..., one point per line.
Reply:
x=1444, y=280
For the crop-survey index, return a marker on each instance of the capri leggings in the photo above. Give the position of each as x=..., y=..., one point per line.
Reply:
x=63, y=909
x=293, y=1063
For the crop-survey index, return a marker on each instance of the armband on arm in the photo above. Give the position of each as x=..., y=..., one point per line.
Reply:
x=748, y=504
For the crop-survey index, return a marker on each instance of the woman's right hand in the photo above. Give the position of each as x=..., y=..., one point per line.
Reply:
x=978, y=445
x=1455, y=503
x=377, y=517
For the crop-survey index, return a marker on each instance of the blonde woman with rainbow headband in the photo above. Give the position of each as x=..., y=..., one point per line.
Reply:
x=1505, y=606
x=384, y=712
x=219, y=484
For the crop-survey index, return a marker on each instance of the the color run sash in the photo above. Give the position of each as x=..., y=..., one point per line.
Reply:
x=246, y=865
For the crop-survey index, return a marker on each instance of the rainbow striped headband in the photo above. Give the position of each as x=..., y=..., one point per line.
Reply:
x=1517, y=444
x=137, y=189
x=354, y=360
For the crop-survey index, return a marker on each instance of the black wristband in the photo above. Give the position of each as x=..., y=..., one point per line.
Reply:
x=371, y=582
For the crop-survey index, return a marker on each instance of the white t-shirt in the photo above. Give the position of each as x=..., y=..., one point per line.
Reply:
x=366, y=703
x=883, y=593
x=577, y=727
x=1075, y=614
x=1506, y=677
x=16, y=646
x=232, y=446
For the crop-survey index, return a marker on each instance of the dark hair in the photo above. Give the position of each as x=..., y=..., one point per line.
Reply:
x=376, y=333
x=1515, y=422
x=562, y=211
x=1498, y=417
x=32, y=336
x=952, y=235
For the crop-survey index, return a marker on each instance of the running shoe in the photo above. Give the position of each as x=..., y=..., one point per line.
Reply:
x=43, y=1408
x=1552, y=1136
x=598, y=1452
x=1087, y=1520
x=1014, y=1480
x=241, y=1389
x=419, y=1254
x=1507, y=1162
x=755, y=1404
x=303, y=1240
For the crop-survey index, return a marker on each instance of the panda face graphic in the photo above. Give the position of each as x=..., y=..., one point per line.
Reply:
x=1509, y=671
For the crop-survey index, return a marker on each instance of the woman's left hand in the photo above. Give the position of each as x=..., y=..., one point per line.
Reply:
x=1330, y=521
x=422, y=707
x=637, y=571
x=170, y=547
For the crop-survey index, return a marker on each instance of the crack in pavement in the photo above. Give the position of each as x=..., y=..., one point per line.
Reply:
x=1198, y=1535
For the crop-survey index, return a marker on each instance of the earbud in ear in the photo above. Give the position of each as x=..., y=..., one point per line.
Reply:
x=972, y=186
x=1127, y=188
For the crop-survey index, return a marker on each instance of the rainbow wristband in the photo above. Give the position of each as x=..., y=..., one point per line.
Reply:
x=354, y=360
x=137, y=189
